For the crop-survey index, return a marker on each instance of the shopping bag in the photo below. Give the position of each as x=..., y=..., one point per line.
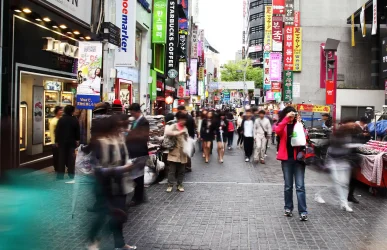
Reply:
x=189, y=147
x=298, y=136
x=83, y=162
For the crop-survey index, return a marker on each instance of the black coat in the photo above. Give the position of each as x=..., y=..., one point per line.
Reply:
x=191, y=126
x=137, y=140
x=67, y=131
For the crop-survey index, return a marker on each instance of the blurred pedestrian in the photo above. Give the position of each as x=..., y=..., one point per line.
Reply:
x=176, y=156
x=191, y=127
x=67, y=136
x=207, y=134
x=221, y=135
x=231, y=130
x=293, y=170
x=262, y=132
x=58, y=112
x=248, y=134
x=239, y=129
x=137, y=144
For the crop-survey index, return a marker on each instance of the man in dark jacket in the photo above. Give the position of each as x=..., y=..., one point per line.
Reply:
x=137, y=144
x=191, y=127
x=67, y=136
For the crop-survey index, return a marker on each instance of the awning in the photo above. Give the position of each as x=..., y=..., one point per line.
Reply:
x=368, y=12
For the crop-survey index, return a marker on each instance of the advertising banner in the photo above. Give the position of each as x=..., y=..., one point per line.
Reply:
x=384, y=58
x=226, y=96
x=78, y=10
x=277, y=33
x=268, y=27
x=279, y=7
x=288, y=57
x=269, y=96
x=194, y=45
x=275, y=86
x=159, y=21
x=201, y=74
x=193, y=83
x=153, y=86
x=183, y=45
x=289, y=12
x=321, y=109
x=296, y=90
x=181, y=90
x=323, y=65
x=183, y=22
x=374, y=17
x=173, y=34
x=275, y=66
x=38, y=122
x=353, y=30
x=330, y=92
x=266, y=71
x=297, y=18
x=126, y=20
x=256, y=48
x=362, y=21
x=297, y=49
x=89, y=71
x=201, y=89
x=288, y=86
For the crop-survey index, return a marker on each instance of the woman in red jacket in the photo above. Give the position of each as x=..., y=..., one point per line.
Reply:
x=291, y=167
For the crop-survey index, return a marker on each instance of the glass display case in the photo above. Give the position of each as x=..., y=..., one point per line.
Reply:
x=51, y=100
x=23, y=127
x=67, y=98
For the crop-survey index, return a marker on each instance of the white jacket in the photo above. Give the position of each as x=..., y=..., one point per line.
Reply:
x=261, y=126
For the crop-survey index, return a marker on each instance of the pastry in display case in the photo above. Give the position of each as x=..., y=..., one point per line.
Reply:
x=66, y=98
x=51, y=101
x=23, y=126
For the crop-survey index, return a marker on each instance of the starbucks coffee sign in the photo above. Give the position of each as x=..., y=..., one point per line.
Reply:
x=172, y=73
x=61, y=48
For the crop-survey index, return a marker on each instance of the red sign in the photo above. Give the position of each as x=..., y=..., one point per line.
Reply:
x=160, y=99
x=277, y=33
x=279, y=7
x=305, y=107
x=323, y=66
x=330, y=92
x=297, y=19
x=288, y=57
x=275, y=86
x=181, y=92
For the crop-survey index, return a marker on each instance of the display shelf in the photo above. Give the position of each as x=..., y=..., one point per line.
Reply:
x=66, y=98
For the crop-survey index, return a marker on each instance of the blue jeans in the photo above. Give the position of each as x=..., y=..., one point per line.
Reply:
x=294, y=170
x=230, y=138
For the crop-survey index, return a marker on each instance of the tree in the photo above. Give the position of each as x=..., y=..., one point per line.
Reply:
x=230, y=73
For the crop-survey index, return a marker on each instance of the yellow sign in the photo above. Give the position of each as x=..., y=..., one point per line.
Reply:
x=201, y=74
x=353, y=30
x=321, y=109
x=268, y=28
x=297, y=49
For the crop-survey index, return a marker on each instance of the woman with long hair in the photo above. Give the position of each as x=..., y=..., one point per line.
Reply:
x=231, y=130
x=239, y=130
x=292, y=168
x=207, y=134
x=221, y=135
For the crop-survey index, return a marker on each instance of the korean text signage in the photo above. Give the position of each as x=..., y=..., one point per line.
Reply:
x=172, y=40
x=330, y=93
x=288, y=57
x=374, y=17
x=275, y=66
x=289, y=12
x=126, y=20
x=193, y=83
x=159, y=21
x=201, y=74
x=89, y=66
x=194, y=45
x=297, y=19
x=79, y=9
x=297, y=49
x=323, y=66
x=384, y=57
x=183, y=45
x=288, y=86
x=276, y=87
x=277, y=33
x=268, y=27
x=266, y=71
x=313, y=108
x=113, y=35
x=279, y=7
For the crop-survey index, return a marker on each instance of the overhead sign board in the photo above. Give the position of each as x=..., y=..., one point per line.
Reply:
x=112, y=34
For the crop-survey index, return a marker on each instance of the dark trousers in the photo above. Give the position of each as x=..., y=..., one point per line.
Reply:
x=230, y=138
x=116, y=210
x=176, y=168
x=273, y=138
x=139, y=192
x=66, y=159
x=240, y=138
x=55, y=157
x=248, y=146
x=188, y=165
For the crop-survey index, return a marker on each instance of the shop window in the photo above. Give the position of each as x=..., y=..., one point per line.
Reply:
x=138, y=45
x=158, y=57
x=353, y=111
x=255, y=42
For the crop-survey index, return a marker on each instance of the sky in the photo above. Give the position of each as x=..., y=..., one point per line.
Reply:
x=223, y=25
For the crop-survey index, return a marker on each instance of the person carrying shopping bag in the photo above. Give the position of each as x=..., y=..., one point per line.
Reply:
x=288, y=130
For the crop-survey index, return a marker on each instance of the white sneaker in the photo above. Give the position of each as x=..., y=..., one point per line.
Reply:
x=247, y=159
x=319, y=199
x=346, y=208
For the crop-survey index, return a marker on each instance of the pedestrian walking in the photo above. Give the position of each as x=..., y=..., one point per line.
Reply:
x=67, y=136
x=239, y=130
x=137, y=145
x=248, y=134
x=231, y=130
x=273, y=134
x=293, y=170
x=262, y=133
x=207, y=134
x=58, y=111
x=176, y=156
x=169, y=122
x=221, y=135
x=191, y=127
x=202, y=117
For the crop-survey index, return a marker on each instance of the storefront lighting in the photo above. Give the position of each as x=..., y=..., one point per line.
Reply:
x=81, y=37
x=46, y=19
x=26, y=10
x=54, y=26
x=69, y=32
x=38, y=19
x=17, y=10
x=76, y=32
x=62, y=26
x=87, y=37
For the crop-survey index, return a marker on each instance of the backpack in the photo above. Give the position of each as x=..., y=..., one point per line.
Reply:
x=231, y=127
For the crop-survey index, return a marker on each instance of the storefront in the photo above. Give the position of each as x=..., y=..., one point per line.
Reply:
x=44, y=75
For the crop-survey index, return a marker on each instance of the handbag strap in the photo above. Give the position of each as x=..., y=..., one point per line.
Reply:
x=260, y=124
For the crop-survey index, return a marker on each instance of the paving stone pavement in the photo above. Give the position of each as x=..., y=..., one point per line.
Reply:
x=233, y=205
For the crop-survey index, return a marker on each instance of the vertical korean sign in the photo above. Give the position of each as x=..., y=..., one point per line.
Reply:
x=159, y=21
x=330, y=93
x=277, y=33
x=194, y=46
x=288, y=57
x=323, y=66
x=268, y=27
x=297, y=49
x=374, y=17
x=89, y=65
x=278, y=7
x=193, y=84
x=266, y=71
x=288, y=86
x=275, y=66
x=297, y=19
x=289, y=12
x=126, y=21
x=171, y=46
